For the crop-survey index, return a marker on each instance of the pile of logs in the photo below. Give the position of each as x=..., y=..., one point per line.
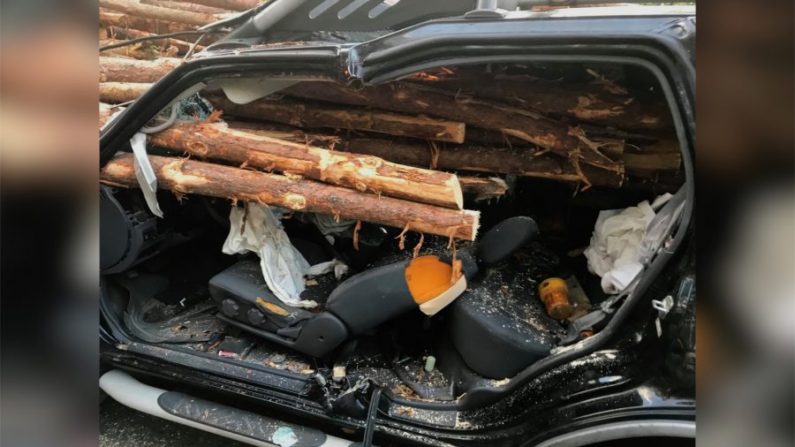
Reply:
x=402, y=154
x=120, y=20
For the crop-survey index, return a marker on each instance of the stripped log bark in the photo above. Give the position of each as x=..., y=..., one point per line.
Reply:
x=650, y=160
x=118, y=92
x=194, y=177
x=663, y=156
x=187, y=6
x=519, y=123
x=649, y=156
x=360, y=172
x=612, y=147
x=418, y=99
x=644, y=164
x=606, y=143
x=590, y=102
x=155, y=12
x=524, y=161
x=117, y=69
x=109, y=18
x=235, y=5
x=301, y=114
x=117, y=32
x=141, y=51
x=659, y=157
x=478, y=136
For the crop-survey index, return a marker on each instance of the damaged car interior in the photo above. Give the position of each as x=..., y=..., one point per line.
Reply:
x=458, y=234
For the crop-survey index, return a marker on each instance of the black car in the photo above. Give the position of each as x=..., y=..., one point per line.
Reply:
x=380, y=350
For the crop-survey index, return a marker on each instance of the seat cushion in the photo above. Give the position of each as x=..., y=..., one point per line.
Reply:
x=499, y=326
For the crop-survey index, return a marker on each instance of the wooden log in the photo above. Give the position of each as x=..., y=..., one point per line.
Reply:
x=302, y=114
x=594, y=102
x=524, y=161
x=133, y=7
x=109, y=18
x=484, y=188
x=610, y=146
x=194, y=177
x=281, y=131
x=116, y=32
x=142, y=51
x=633, y=137
x=661, y=156
x=412, y=98
x=650, y=157
x=650, y=160
x=647, y=163
x=118, y=92
x=234, y=5
x=117, y=69
x=187, y=6
x=360, y=172
x=478, y=136
x=664, y=144
x=299, y=114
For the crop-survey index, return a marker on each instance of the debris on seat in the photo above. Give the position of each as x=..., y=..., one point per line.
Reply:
x=615, y=250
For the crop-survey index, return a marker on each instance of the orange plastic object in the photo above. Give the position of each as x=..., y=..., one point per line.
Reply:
x=427, y=277
x=555, y=295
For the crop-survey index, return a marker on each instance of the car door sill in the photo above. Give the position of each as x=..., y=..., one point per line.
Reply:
x=221, y=420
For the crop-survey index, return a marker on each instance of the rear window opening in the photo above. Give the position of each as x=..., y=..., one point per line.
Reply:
x=600, y=137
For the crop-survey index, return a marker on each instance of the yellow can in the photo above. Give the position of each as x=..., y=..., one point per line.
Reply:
x=555, y=295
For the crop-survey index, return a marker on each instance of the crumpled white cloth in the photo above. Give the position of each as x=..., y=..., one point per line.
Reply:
x=617, y=241
x=256, y=228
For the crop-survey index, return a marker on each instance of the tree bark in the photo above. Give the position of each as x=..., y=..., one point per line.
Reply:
x=610, y=146
x=478, y=136
x=118, y=92
x=141, y=51
x=118, y=69
x=194, y=177
x=234, y=5
x=525, y=161
x=187, y=6
x=155, y=12
x=355, y=171
x=360, y=172
x=109, y=18
x=484, y=188
x=647, y=163
x=301, y=114
x=661, y=157
x=590, y=102
x=412, y=98
x=116, y=32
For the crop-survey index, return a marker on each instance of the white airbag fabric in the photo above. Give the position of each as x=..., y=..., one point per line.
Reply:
x=616, y=244
x=255, y=228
